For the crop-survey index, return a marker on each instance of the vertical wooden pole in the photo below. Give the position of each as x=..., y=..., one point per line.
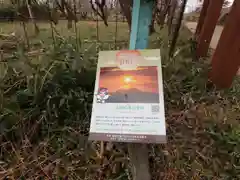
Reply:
x=226, y=59
x=141, y=19
x=201, y=18
x=213, y=13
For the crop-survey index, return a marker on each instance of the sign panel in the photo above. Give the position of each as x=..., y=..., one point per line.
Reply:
x=128, y=104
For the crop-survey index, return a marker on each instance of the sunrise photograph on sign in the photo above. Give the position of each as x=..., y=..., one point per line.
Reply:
x=129, y=86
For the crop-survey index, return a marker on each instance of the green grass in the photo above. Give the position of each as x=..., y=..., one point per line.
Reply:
x=84, y=36
x=85, y=30
x=45, y=107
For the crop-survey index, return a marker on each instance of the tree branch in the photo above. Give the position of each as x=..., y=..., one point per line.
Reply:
x=101, y=8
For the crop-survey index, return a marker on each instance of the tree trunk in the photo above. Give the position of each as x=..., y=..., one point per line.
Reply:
x=67, y=11
x=126, y=6
x=178, y=26
x=171, y=14
x=36, y=29
x=163, y=12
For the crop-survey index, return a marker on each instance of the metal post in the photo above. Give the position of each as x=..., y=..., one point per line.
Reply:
x=226, y=59
x=141, y=19
x=201, y=18
x=210, y=22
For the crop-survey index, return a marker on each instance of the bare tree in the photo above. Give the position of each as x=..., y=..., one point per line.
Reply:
x=99, y=7
x=36, y=29
x=126, y=7
x=163, y=8
x=178, y=26
x=67, y=11
x=171, y=14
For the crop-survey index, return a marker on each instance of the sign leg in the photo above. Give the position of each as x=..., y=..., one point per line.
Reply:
x=141, y=19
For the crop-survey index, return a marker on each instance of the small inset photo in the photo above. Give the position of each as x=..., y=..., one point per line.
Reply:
x=128, y=86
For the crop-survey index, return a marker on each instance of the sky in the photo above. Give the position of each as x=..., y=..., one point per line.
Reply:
x=192, y=4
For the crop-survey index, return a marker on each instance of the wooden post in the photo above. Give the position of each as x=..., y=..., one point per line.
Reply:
x=201, y=18
x=226, y=59
x=213, y=13
x=141, y=19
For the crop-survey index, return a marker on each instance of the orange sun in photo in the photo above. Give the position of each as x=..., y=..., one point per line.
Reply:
x=143, y=79
x=128, y=79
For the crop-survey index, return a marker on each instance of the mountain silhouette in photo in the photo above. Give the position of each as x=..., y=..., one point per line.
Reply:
x=132, y=95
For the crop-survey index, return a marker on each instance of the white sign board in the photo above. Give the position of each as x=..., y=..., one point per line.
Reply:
x=128, y=104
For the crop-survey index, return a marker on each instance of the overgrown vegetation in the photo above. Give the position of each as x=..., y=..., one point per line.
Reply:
x=45, y=107
x=46, y=86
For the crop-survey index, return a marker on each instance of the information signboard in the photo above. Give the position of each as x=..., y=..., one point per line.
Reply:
x=128, y=104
